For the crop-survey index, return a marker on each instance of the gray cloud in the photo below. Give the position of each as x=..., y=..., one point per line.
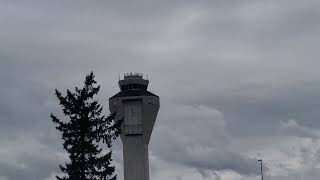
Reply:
x=228, y=73
x=201, y=143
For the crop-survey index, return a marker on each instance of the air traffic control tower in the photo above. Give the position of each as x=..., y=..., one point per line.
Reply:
x=139, y=108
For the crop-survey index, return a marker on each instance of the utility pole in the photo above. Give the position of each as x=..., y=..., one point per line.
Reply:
x=260, y=160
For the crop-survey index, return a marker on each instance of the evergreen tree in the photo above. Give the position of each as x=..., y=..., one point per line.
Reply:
x=84, y=133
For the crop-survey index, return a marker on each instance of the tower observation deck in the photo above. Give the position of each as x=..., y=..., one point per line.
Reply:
x=133, y=81
x=133, y=84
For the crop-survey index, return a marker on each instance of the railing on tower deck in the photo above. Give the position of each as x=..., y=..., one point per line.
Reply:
x=133, y=75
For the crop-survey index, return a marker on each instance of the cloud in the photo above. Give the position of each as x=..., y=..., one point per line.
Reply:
x=227, y=73
x=195, y=136
x=26, y=158
x=294, y=128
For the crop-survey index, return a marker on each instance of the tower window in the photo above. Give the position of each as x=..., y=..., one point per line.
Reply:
x=132, y=117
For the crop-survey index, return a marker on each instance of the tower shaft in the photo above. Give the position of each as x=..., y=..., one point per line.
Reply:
x=136, y=160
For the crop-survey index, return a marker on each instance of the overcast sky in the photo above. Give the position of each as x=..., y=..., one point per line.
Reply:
x=235, y=79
